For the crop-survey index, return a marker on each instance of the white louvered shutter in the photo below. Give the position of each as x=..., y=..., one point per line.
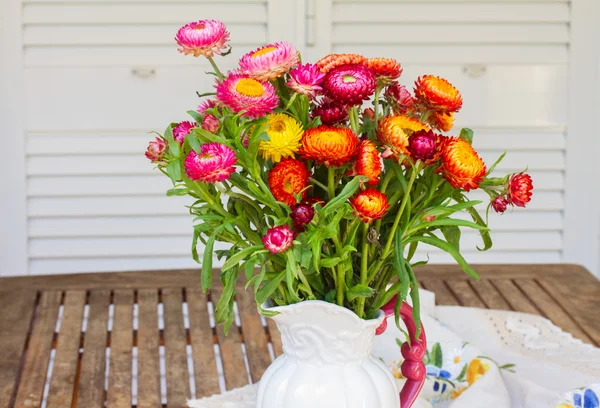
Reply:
x=510, y=60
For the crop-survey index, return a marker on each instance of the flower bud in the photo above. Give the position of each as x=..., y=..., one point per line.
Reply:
x=369, y=113
x=278, y=239
x=156, y=149
x=399, y=98
x=302, y=214
x=499, y=204
x=210, y=123
x=429, y=218
x=422, y=145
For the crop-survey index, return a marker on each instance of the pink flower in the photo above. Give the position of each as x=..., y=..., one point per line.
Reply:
x=499, y=204
x=330, y=112
x=206, y=104
x=350, y=84
x=422, y=145
x=210, y=123
x=302, y=214
x=399, y=98
x=306, y=79
x=214, y=163
x=156, y=149
x=278, y=239
x=242, y=93
x=204, y=37
x=269, y=62
x=182, y=130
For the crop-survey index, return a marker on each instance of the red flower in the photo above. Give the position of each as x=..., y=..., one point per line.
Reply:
x=302, y=214
x=437, y=94
x=461, y=165
x=370, y=204
x=288, y=177
x=520, y=187
x=330, y=113
x=367, y=163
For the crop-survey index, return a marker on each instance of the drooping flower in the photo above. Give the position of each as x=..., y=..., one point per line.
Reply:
x=437, y=94
x=476, y=369
x=182, y=130
x=284, y=134
x=441, y=121
x=422, y=145
x=306, y=80
x=302, y=214
x=350, y=84
x=520, y=187
x=204, y=37
x=214, y=163
x=330, y=112
x=329, y=145
x=370, y=204
x=399, y=98
x=210, y=123
x=367, y=162
x=242, y=93
x=156, y=149
x=461, y=165
x=393, y=133
x=369, y=113
x=331, y=61
x=278, y=239
x=499, y=204
x=288, y=178
x=269, y=62
x=205, y=105
x=385, y=69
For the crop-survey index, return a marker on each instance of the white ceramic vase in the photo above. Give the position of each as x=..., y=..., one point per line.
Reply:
x=326, y=361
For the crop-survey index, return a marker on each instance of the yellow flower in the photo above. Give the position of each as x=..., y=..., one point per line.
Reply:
x=564, y=406
x=476, y=370
x=457, y=392
x=285, y=134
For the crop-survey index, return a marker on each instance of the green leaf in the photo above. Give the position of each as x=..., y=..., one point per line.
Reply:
x=466, y=134
x=268, y=288
x=496, y=163
x=444, y=211
x=224, y=310
x=177, y=192
x=193, y=141
x=448, y=222
x=169, y=133
x=207, y=263
x=347, y=192
x=357, y=291
x=443, y=245
x=175, y=148
x=240, y=256
x=452, y=234
x=436, y=357
x=461, y=376
x=174, y=171
x=330, y=262
x=197, y=117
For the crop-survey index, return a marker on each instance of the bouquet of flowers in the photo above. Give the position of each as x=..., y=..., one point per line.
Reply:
x=324, y=178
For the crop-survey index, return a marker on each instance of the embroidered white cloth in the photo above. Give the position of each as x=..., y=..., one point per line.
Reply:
x=483, y=358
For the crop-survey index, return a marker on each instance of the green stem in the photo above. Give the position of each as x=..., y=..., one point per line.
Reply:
x=353, y=114
x=318, y=183
x=331, y=182
x=376, y=105
x=201, y=188
x=364, y=266
x=216, y=68
x=340, y=273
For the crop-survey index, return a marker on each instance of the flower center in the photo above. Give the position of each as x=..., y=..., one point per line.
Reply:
x=329, y=136
x=206, y=156
x=278, y=126
x=349, y=79
x=199, y=27
x=456, y=359
x=263, y=51
x=250, y=87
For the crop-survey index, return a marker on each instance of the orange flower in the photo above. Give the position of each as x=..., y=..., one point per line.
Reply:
x=441, y=121
x=329, y=62
x=370, y=204
x=330, y=145
x=476, y=370
x=393, y=133
x=461, y=165
x=438, y=94
x=386, y=69
x=288, y=177
x=367, y=163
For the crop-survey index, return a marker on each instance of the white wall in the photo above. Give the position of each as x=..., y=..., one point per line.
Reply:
x=89, y=79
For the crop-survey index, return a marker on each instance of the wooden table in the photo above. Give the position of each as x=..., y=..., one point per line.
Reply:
x=141, y=316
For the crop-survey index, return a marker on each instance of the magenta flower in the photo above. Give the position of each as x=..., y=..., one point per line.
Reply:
x=278, y=239
x=205, y=105
x=156, y=149
x=214, y=163
x=350, y=84
x=210, y=123
x=330, y=112
x=499, y=204
x=182, y=130
x=269, y=62
x=204, y=37
x=422, y=145
x=306, y=80
x=242, y=93
x=302, y=214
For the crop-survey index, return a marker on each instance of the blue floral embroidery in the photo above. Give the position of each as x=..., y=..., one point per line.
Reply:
x=589, y=399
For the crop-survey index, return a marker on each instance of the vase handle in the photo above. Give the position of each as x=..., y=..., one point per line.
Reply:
x=413, y=368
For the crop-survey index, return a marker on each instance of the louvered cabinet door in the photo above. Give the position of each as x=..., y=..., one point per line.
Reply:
x=510, y=60
x=99, y=76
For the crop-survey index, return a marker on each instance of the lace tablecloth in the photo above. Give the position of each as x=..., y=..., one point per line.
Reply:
x=500, y=359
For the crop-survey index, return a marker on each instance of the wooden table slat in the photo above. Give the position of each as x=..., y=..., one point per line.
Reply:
x=18, y=308
x=202, y=339
x=178, y=381
x=230, y=347
x=62, y=384
x=514, y=297
x=550, y=308
x=255, y=335
x=90, y=392
x=489, y=295
x=121, y=343
x=443, y=296
x=148, y=350
x=464, y=293
x=37, y=357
